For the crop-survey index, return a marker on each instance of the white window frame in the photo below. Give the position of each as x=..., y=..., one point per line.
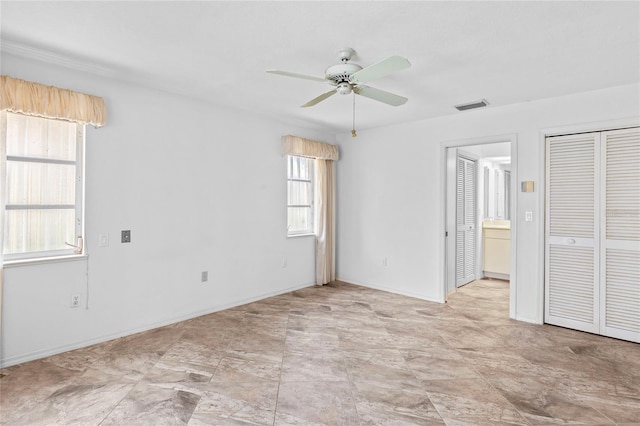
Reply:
x=79, y=196
x=311, y=206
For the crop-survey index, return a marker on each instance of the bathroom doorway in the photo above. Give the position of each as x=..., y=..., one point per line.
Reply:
x=478, y=211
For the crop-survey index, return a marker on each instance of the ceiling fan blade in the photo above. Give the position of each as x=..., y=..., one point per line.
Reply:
x=296, y=75
x=380, y=95
x=319, y=99
x=380, y=69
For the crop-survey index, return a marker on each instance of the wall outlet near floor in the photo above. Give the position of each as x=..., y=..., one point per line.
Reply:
x=204, y=276
x=75, y=300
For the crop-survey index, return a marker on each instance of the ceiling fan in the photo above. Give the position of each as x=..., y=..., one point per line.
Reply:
x=348, y=77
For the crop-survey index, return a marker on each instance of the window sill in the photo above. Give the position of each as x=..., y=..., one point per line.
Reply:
x=42, y=260
x=300, y=235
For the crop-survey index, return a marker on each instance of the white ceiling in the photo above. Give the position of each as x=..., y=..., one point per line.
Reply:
x=505, y=52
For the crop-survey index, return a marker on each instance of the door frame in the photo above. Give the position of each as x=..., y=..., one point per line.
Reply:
x=447, y=242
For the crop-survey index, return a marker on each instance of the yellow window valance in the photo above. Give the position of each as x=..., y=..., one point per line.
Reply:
x=294, y=145
x=37, y=99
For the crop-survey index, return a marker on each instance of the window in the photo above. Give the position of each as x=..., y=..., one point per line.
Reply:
x=44, y=182
x=299, y=195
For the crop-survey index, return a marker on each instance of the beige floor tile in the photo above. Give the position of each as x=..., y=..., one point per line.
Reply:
x=253, y=402
x=309, y=403
x=471, y=401
x=149, y=404
x=340, y=354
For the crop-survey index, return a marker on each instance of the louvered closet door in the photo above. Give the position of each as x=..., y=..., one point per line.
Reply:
x=572, y=258
x=466, y=173
x=620, y=235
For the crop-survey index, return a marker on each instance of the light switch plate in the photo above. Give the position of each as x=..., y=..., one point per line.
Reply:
x=528, y=216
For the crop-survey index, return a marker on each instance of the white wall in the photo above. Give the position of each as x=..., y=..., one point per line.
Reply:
x=200, y=187
x=391, y=191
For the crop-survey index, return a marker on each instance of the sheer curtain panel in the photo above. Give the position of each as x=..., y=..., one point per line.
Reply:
x=3, y=202
x=325, y=222
x=325, y=156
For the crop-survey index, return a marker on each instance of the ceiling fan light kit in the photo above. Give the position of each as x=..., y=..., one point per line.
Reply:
x=348, y=77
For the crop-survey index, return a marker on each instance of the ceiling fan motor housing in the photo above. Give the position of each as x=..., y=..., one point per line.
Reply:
x=339, y=74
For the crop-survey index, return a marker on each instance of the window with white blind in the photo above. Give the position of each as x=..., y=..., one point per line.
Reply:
x=43, y=161
x=299, y=195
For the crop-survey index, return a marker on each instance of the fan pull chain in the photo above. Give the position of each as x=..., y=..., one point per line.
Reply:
x=353, y=128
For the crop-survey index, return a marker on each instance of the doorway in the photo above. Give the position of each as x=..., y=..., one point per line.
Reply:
x=479, y=236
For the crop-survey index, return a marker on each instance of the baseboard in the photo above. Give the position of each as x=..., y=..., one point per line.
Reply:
x=497, y=275
x=389, y=289
x=32, y=356
x=529, y=320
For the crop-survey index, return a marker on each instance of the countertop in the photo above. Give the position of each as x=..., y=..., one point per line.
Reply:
x=496, y=224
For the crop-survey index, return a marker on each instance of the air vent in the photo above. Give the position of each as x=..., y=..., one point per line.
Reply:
x=478, y=104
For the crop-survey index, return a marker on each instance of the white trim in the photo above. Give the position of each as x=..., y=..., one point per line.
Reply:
x=513, y=220
x=598, y=126
x=497, y=276
x=30, y=52
x=511, y=138
x=42, y=260
x=301, y=235
x=388, y=289
x=19, y=359
x=81, y=140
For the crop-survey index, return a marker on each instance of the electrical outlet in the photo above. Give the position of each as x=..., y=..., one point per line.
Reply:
x=125, y=237
x=204, y=276
x=104, y=240
x=75, y=300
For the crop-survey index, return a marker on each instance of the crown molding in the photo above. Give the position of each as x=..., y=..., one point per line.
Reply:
x=35, y=53
x=43, y=55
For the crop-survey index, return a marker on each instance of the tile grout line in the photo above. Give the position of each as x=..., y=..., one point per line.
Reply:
x=284, y=350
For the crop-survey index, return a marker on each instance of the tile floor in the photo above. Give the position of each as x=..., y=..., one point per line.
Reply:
x=337, y=355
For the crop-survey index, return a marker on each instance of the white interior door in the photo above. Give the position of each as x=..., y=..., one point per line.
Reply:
x=571, y=231
x=466, y=179
x=620, y=235
x=593, y=233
